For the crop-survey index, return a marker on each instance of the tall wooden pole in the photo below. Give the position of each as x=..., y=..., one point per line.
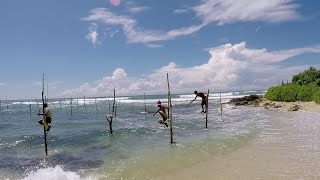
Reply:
x=207, y=104
x=7, y=102
x=145, y=105
x=112, y=115
x=113, y=110
x=95, y=101
x=44, y=116
x=170, y=110
x=29, y=107
x=71, y=107
x=132, y=106
x=0, y=106
x=220, y=105
x=84, y=103
x=109, y=105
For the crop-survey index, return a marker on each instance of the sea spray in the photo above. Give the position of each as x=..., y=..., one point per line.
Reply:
x=52, y=173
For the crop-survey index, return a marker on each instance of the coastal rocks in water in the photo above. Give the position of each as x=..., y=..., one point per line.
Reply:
x=252, y=100
x=294, y=108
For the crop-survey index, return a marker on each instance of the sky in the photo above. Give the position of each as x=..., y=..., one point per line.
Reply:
x=90, y=47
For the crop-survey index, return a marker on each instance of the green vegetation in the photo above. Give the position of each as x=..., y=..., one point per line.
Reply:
x=305, y=86
x=309, y=76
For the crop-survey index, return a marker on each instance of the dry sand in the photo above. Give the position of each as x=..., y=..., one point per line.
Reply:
x=285, y=106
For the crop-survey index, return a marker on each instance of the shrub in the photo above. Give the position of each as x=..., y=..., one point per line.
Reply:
x=304, y=87
x=316, y=97
x=306, y=93
x=273, y=93
x=291, y=92
x=309, y=76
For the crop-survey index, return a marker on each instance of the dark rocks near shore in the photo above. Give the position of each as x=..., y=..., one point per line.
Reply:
x=251, y=100
x=268, y=105
x=294, y=108
x=259, y=101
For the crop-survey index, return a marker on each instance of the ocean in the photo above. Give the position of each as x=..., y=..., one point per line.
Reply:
x=81, y=147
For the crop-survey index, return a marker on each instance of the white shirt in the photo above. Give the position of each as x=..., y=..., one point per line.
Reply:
x=48, y=112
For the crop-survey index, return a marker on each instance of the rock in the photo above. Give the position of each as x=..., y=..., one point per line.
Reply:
x=240, y=103
x=254, y=103
x=294, y=108
x=277, y=106
x=247, y=100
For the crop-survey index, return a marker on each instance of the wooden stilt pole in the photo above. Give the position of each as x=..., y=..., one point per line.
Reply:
x=0, y=106
x=115, y=110
x=95, y=101
x=109, y=105
x=220, y=105
x=60, y=103
x=71, y=108
x=145, y=105
x=84, y=103
x=112, y=115
x=170, y=110
x=7, y=102
x=132, y=106
x=207, y=110
x=44, y=116
x=29, y=107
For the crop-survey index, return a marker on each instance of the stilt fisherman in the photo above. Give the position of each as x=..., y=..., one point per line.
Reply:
x=163, y=114
x=46, y=120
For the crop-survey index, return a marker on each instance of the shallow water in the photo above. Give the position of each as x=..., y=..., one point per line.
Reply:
x=81, y=147
x=286, y=148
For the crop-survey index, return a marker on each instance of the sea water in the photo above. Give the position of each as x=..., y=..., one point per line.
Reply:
x=80, y=145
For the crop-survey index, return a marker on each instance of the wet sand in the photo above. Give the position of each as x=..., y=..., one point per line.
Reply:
x=288, y=148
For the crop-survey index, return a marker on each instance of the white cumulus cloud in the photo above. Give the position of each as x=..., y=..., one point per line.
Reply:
x=230, y=67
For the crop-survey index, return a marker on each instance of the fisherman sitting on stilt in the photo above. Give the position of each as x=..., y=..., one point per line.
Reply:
x=163, y=114
x=46, y=122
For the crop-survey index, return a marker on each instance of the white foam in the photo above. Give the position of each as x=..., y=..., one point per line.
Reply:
x=53, y=173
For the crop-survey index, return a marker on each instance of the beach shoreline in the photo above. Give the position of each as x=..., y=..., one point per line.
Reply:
x=285, y=106
x=285, y=149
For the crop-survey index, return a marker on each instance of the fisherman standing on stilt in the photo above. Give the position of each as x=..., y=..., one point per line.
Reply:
x=46, y=122
x=204, y=101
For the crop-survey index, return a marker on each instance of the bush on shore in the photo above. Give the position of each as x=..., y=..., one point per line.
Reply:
x=293, y=92
x=316, y=97
x=305, y=86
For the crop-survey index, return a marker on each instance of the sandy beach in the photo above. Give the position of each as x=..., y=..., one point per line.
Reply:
x=288, y=148
x=285, y=106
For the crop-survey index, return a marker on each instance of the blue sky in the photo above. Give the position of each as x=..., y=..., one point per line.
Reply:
x=90, y=47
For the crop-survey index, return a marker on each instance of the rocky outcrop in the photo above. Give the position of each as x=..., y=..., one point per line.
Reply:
x=259, y=101
x=252, y=100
